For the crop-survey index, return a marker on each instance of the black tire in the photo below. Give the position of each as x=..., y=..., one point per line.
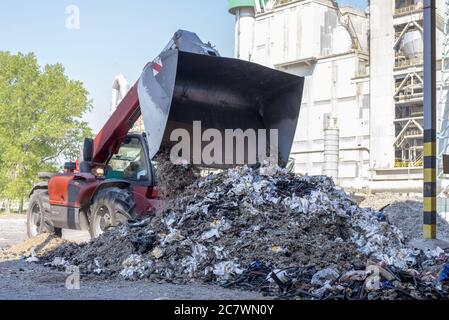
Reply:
x=38, y=220
x=110, y=208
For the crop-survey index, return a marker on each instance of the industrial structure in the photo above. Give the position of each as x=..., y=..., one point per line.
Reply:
x=120, y=87
x=362, y=113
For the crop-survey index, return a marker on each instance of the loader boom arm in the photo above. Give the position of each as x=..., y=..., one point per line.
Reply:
x=110, y=137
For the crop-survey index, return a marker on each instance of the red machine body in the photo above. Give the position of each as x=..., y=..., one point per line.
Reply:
x=70, y=195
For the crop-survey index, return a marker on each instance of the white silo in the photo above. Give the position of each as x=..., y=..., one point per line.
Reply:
x=412, y=46
x=244, y=11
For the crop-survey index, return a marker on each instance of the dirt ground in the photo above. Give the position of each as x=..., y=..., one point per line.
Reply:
x=13, y=230
x=21, y=280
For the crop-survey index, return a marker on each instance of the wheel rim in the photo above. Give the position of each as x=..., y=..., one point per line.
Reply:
x=103, y=220
x=35, y=220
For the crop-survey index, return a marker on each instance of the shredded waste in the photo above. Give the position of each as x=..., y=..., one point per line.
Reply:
x=268, y=230
x=173, y=179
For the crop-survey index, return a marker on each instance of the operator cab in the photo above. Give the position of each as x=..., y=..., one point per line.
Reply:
x=131, y=162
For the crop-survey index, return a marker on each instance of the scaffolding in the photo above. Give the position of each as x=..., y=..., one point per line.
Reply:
x=409, y=87
x=443, y=105
x=407, y=7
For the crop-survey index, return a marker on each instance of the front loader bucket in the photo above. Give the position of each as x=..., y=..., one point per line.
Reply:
x=222, y=93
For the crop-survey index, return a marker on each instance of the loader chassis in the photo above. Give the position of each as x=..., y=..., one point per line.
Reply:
x=72, y=196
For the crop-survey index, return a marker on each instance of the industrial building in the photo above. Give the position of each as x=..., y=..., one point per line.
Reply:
x=361, y=119
x=120, y=87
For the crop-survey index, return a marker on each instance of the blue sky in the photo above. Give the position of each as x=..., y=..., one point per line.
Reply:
x=362, y=4
x=114, y=36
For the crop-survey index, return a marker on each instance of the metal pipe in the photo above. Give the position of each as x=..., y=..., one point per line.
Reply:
x=429, y=190
x=410, y=188
x=331, y=146
x=244, y=32
x=341, y=149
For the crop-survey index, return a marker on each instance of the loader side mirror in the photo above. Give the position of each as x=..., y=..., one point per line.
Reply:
x=88, y=149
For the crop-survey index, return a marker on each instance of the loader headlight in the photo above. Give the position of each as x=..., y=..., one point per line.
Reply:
x=98, y=172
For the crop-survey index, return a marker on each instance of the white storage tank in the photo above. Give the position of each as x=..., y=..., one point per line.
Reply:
x=412, y=46
x=245, y=18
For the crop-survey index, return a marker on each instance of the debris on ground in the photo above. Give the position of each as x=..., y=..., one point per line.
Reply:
x=408, y=216
x=32, y=249
x=405, y=211
x=172, y=178
x=378, y=201
x=281, y=234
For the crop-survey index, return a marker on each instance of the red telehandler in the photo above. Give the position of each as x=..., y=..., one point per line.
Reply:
x=189, y=81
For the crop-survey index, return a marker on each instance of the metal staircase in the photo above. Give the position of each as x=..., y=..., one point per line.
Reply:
x=347, y=23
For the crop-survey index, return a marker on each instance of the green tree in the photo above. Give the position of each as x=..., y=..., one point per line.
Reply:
x=41, y=122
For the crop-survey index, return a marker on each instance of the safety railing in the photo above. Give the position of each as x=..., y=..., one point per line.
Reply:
x=408, y=9
x=409, y=164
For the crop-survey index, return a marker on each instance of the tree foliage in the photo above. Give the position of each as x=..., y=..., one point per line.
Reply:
x=41, y=122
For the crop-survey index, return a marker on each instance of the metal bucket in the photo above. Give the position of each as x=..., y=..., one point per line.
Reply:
x=181, y=87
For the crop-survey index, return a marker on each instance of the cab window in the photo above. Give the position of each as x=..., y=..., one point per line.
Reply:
x=129, y=163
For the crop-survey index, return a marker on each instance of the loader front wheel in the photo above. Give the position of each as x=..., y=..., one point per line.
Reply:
x=37, y=218
x=111, y=208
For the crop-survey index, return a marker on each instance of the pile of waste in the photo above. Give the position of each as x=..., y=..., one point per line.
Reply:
x=379, y=201
x=405, y=212
x=269, y=230
x=408, y=215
